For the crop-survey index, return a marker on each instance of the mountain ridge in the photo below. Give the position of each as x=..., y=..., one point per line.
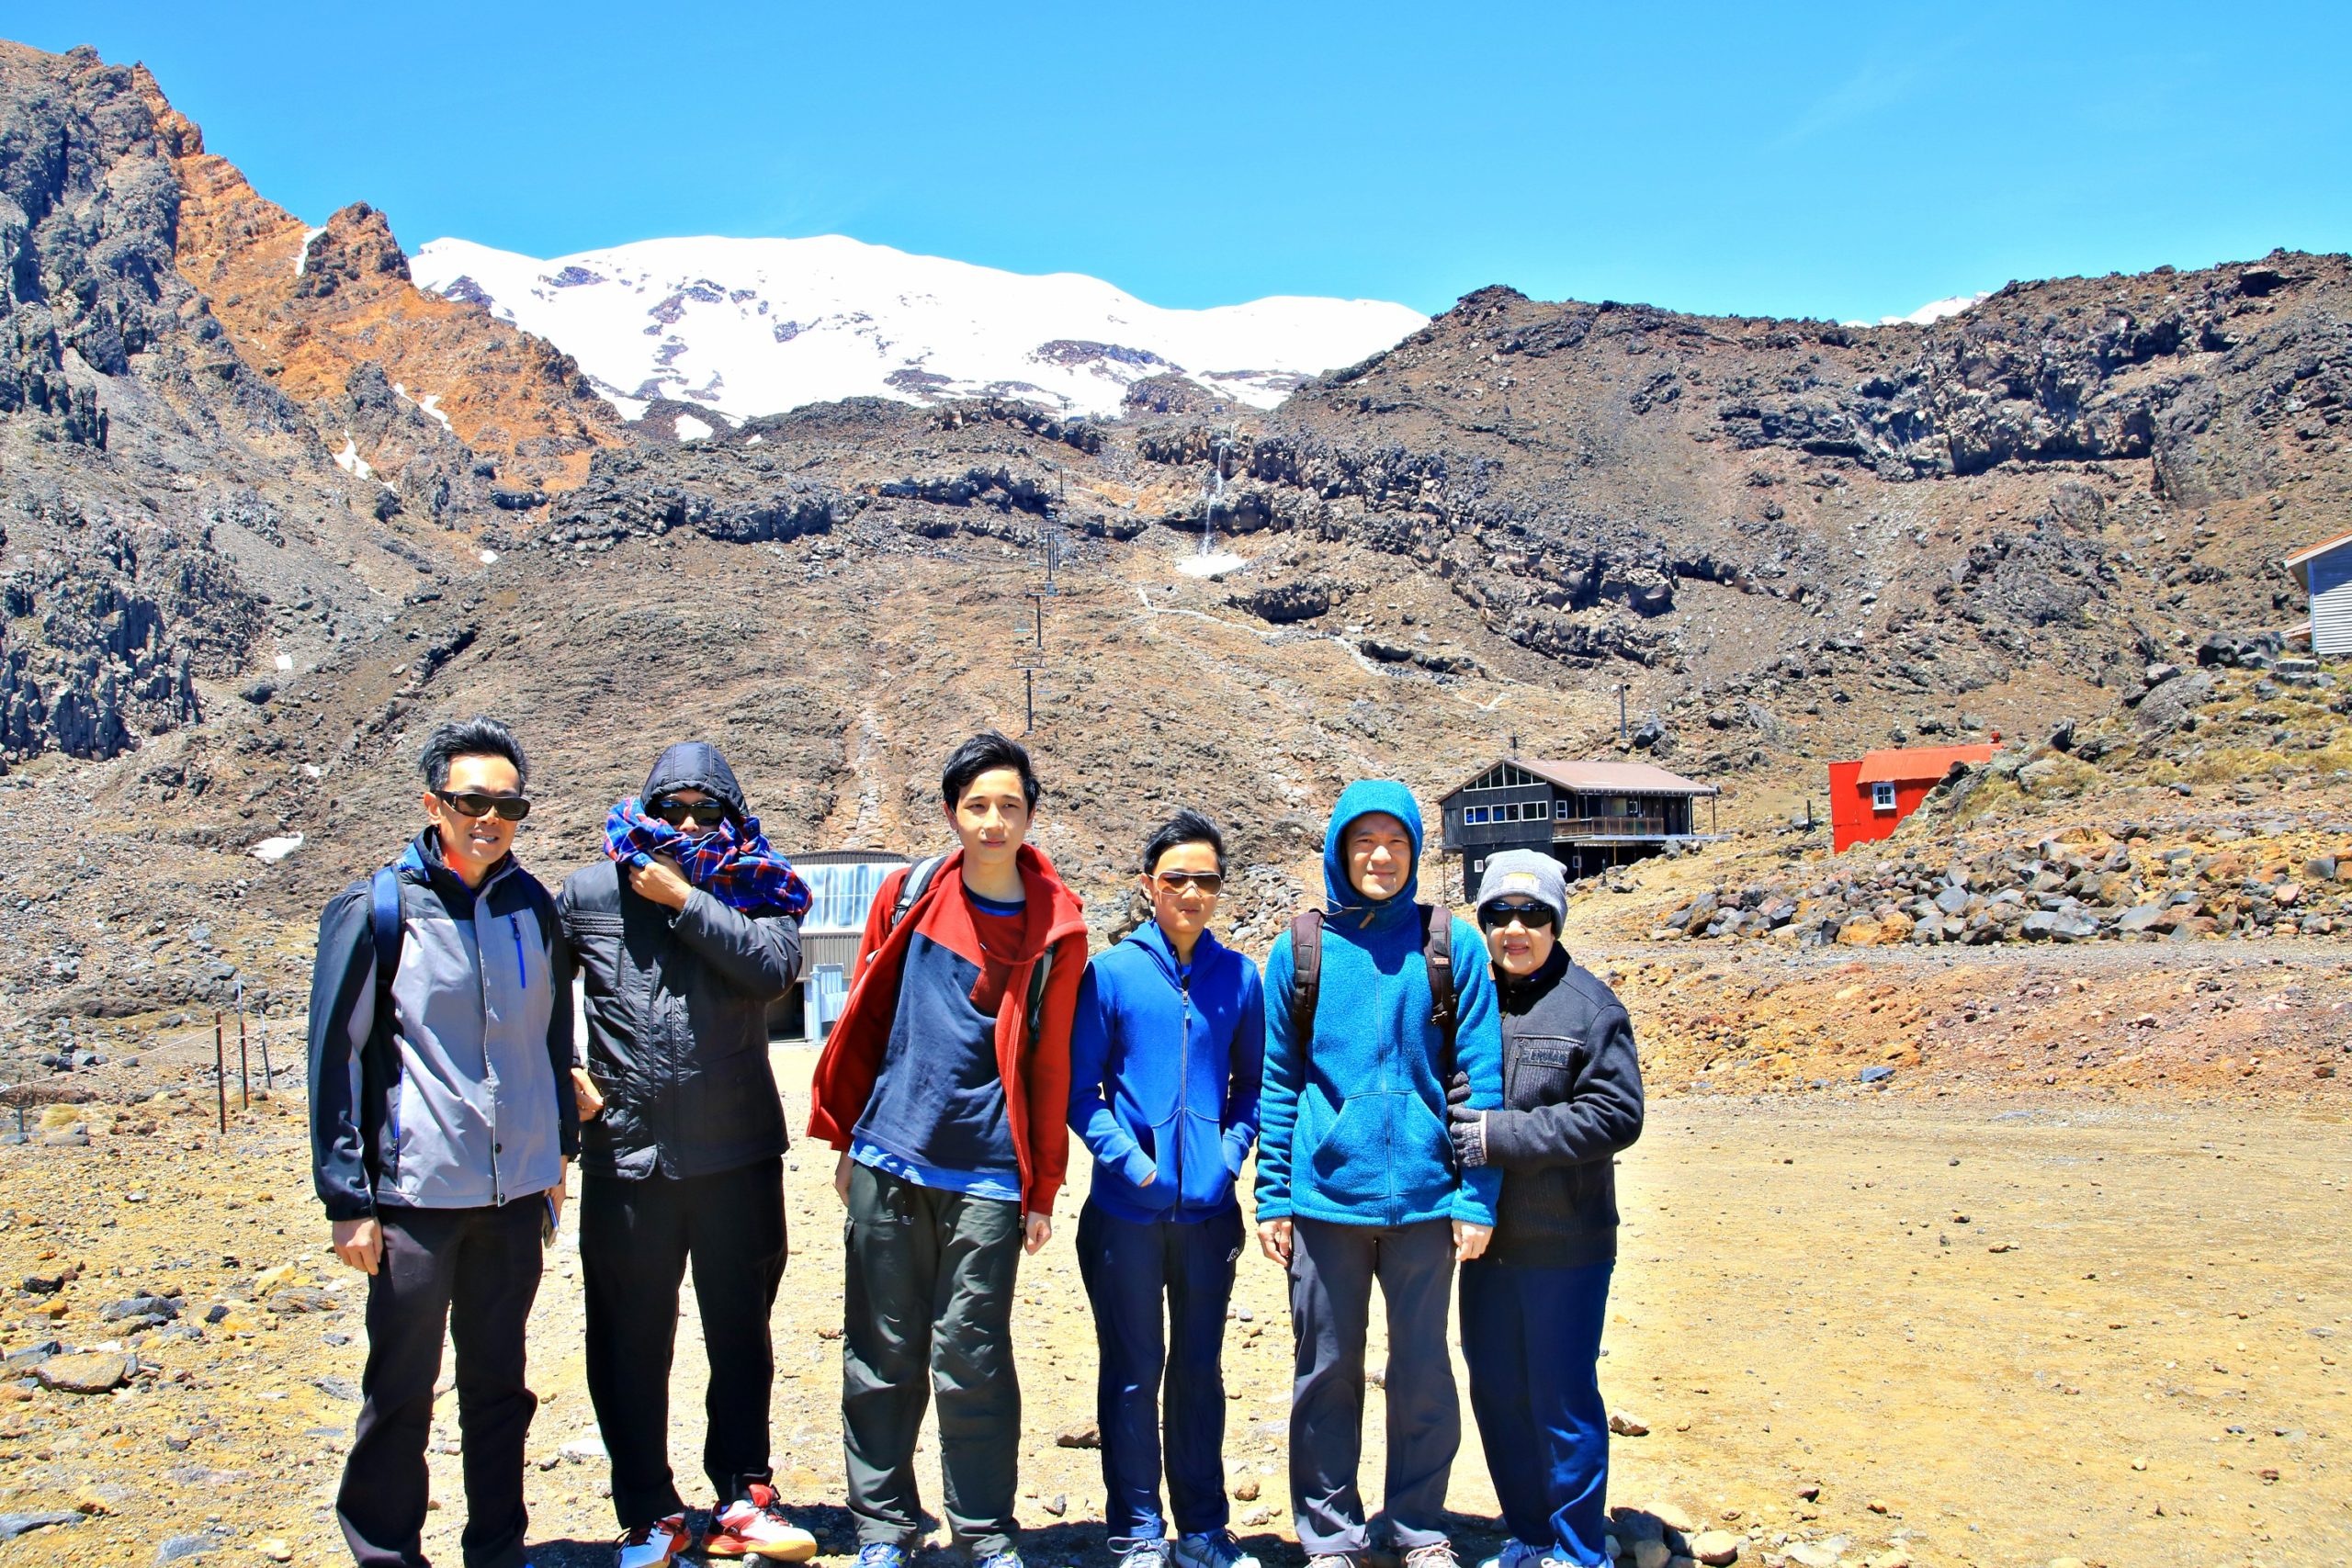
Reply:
x=755, y=326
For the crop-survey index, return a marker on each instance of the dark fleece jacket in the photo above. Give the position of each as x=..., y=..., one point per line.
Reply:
x=1572, y=1101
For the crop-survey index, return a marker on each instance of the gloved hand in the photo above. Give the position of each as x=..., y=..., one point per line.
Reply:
x=1468, y=1130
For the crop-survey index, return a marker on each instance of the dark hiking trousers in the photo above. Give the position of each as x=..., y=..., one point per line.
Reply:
x=636, y=1239
x=1331, y=1271
x=472, y=1272
x=928, y=1309
x=1134, y=1273
x=1532, y=1337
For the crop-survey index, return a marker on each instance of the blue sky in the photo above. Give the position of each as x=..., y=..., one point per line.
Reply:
x=1826, y=161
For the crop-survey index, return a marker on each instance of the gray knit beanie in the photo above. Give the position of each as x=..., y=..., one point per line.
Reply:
x=1525, y=873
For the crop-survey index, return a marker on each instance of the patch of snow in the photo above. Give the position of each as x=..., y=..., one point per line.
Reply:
x=1217, y=565
x=285, y=662
x=302, y=256
x=689, y=428
x=269, y=851
x=748, y=327
x=428, y=405
x=756, y=440
x=490, y=558
x=312, y=770
x=350, y=461
x=1935, y=310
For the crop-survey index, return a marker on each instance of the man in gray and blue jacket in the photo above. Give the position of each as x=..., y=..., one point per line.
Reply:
x=442, y=1126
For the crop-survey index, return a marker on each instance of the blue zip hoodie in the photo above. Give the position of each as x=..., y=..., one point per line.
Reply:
x=1165, y=1060
x=1354, y=1128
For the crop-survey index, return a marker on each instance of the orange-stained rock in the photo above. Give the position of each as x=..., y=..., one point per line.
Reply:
x=309, y=307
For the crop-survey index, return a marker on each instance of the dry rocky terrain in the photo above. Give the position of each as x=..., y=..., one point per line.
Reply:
x=1961, y=1321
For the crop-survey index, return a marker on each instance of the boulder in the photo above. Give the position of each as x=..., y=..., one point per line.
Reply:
x=85, y=1372
x=1859, y=932
x=1718, y=1548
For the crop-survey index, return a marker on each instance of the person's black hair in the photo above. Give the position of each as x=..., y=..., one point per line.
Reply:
x=980, y=754
x=454, y=739
x=1187, y=826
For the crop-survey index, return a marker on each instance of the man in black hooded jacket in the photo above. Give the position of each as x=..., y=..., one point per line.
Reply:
x=682, y=939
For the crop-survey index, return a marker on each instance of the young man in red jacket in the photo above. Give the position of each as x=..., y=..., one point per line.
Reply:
x=945, y=1085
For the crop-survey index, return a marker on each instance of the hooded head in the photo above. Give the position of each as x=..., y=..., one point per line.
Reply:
x=695, y=765
x=1361, y=799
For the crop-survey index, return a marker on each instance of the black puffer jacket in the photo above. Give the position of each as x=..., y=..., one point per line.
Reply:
x=1572, y=1100
x=678, y=1010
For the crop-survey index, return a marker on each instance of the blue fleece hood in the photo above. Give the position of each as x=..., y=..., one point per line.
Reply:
x=1361, y=799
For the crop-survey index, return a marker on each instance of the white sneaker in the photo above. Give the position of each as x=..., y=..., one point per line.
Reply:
x=653, y=1545
x=755, y=1526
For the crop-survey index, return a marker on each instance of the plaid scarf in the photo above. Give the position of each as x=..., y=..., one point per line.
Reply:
x=734, y=865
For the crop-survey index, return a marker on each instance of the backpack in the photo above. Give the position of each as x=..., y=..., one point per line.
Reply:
x=1437, y=952
x=918, y=882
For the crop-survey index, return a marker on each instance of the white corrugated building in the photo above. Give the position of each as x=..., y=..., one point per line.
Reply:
x=2324, y=572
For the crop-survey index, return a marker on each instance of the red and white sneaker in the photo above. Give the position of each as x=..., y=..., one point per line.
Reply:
x=653, y=1545
x=754, y=1526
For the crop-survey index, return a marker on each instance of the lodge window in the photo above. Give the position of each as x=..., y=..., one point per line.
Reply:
x=1882, y=797
x=1473, y=815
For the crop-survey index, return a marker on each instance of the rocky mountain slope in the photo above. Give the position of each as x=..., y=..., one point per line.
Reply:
x=1775, y=542
x=748, y=327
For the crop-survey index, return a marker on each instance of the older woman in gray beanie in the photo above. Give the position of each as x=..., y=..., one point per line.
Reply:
x=1533, y=1307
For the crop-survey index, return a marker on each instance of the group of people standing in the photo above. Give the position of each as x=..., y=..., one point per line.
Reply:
x=1420, y=1092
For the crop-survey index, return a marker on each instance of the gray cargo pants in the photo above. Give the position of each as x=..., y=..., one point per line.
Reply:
x=928, y=1307
x=1331, y=1271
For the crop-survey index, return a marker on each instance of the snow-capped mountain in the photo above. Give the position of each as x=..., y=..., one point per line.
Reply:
x=757, y=326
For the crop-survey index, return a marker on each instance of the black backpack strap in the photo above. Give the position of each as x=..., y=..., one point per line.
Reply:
x=1305, y=974
x=1039, y=973
x=1437, y=952
x=918, y=881
x=384, y=925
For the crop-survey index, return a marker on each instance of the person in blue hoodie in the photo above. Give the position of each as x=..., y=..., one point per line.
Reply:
x=1165, y=1058
x=1357, y=1178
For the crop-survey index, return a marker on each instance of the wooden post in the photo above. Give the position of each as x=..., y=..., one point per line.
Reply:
x=220, y=1070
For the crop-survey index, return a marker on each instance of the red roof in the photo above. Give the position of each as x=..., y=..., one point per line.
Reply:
x=1908, y=765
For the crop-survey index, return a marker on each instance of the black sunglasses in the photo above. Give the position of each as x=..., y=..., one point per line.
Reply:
x=1534, y=917
x=474, y=803
x=706, y=813
x=1209, y=882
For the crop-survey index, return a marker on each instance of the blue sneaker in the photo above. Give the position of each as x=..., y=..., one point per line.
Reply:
x=1212, y=1549
x=1006, y=1559
x=881, y=1554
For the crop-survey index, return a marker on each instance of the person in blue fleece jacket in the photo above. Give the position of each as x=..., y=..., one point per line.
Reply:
x=1164, y=1054
x=1357, y=1181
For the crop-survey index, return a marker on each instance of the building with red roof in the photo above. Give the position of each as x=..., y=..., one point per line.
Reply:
x=1869, y=798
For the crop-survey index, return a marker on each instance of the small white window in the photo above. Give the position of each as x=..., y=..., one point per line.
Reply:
x=1539, y=810
x=1882, y=797
x=1474, y=814
x=1477, y=867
